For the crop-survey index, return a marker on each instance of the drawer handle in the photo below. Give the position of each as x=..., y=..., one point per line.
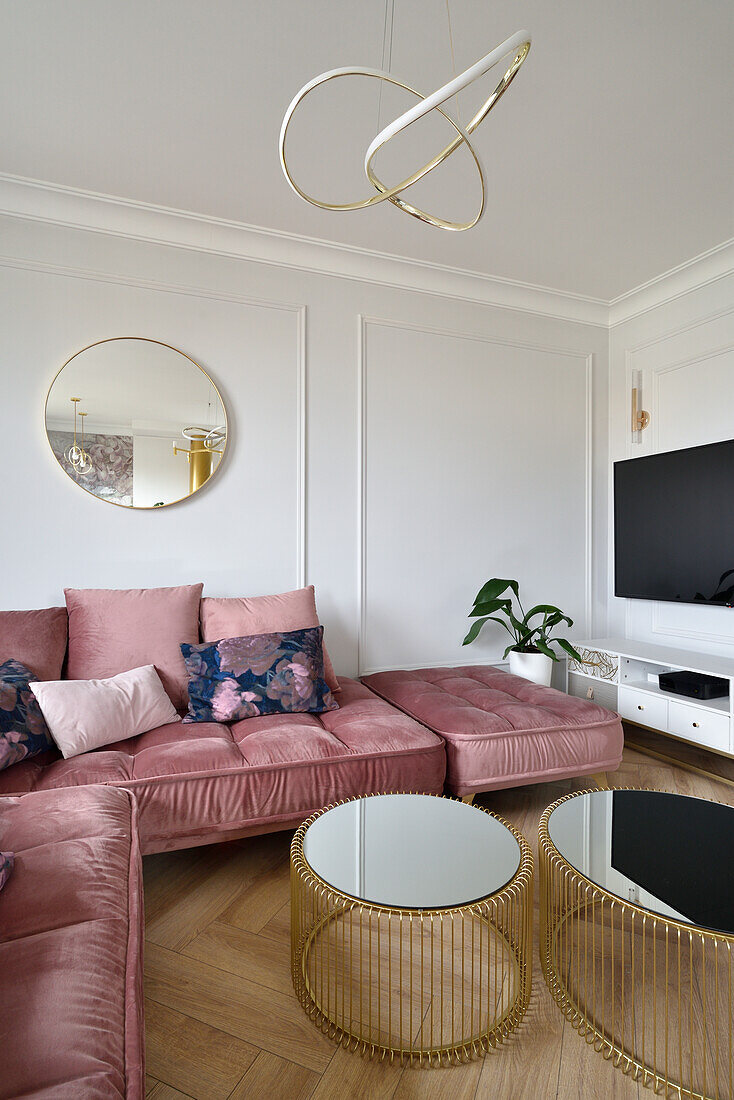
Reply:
x=695, y=725
x=640, y=706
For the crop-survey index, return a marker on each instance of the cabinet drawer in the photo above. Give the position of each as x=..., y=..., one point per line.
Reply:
x=703, y=726
x=638, y=706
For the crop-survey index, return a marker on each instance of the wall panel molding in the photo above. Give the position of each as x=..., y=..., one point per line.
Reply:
x=299, y=312
x=363, y=322
x=670, y=368
x=656, y=627
x=655, y=373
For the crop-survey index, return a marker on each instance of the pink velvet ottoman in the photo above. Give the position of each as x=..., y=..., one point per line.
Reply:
x=501, y=730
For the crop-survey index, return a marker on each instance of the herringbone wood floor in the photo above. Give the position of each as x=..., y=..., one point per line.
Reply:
x=222, y=1020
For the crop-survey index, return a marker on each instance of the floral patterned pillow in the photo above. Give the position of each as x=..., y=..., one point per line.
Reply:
x=7, y=861
x=23, y=729
x=239, y=678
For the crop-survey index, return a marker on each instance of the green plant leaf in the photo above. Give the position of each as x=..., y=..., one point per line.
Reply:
x=488, y=607
x=552, y=622
x=564, y=644
x=494, y=619
x=543, y=609
x=474, y=629
x=488, y=619
x=520, y=628
x=546, y=649
x=494, y=588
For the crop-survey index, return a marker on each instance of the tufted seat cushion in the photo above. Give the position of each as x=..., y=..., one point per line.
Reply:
x=71, y=963
x=501, y=730
x=204, y=782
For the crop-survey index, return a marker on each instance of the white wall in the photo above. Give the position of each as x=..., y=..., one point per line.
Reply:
x=684, y=349
x=158, y=473
x=393, y=446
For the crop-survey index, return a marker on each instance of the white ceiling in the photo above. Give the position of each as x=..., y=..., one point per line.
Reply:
x=609, y=161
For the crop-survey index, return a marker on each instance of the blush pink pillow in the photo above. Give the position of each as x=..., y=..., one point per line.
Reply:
x=113, y=630
x=86, y=714
x=35, y=638
x=238, y=616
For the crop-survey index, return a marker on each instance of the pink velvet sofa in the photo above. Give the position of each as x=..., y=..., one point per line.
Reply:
x=71, y=998
x=197, y=783
x=204, y=782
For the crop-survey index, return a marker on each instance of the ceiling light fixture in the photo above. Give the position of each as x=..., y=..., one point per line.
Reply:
x=75, y=453
x=518, y=45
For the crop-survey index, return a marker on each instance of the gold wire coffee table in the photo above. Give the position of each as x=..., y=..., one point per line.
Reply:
x=411, y=933
x=637, y=933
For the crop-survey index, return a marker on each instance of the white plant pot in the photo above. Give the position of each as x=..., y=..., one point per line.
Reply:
x=531, y=666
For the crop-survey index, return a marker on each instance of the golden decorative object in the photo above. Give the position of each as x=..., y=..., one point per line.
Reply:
x=200, y=455
x=650, y=993
x=518, y=45
x=75, y=453
x=640, y=417
x=434, y=986
x=143, y=394
x=594, y=663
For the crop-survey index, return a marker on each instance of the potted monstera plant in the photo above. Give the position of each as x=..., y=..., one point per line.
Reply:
x=531, y=631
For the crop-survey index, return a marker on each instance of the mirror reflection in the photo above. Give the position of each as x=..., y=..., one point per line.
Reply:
x=136, y=422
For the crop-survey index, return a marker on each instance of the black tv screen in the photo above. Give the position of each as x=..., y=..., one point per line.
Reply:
x=674, y=526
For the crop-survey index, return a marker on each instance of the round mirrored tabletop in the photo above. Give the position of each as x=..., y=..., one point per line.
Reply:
x=668, y=853
x=411, y=851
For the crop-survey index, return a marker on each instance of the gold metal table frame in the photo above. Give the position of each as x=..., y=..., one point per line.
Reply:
x=429, y=986
x=650, y=993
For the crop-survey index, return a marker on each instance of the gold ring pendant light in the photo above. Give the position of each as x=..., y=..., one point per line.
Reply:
x=518, y=45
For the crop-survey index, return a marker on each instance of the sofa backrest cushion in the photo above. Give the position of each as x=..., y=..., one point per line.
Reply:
x=113, y=631
x=235, y=617
x=35, y=638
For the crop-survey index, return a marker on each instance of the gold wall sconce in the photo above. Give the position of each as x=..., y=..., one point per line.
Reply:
x=640, y=417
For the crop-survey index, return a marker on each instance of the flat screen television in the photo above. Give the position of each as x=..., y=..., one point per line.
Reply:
x=674, y=526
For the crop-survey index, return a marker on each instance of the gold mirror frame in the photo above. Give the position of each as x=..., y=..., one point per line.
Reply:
x=160, y=343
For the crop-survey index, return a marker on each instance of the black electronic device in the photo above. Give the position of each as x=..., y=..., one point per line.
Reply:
x=696, y=685
x=674, y=526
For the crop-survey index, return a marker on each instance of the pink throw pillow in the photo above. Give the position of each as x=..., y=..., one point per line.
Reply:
x=35, y=638
x=113, y=630
x=235, y=617
x=86, y=714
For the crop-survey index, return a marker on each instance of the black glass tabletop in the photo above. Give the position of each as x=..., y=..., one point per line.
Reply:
x=668, y=853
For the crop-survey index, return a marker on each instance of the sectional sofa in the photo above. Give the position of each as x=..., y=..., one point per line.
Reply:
x=70, y=914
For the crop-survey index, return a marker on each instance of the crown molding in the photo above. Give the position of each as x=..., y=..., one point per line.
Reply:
x=708, y=267
x=55, y=204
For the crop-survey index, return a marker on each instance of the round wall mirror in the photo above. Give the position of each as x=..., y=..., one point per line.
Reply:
x=136, y=422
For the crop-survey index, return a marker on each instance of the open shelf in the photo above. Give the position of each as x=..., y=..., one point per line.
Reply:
x=632, y=689
x=650, y=688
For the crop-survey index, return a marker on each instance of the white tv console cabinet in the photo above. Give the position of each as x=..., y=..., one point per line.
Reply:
x=622, y=675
